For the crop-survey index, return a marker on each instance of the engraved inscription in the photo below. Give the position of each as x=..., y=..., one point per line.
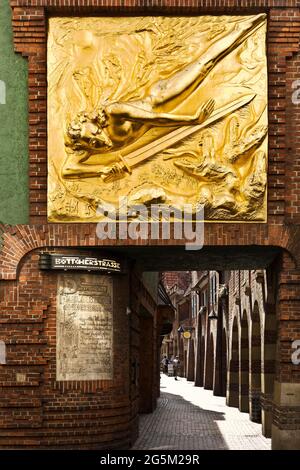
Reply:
x=84, y=327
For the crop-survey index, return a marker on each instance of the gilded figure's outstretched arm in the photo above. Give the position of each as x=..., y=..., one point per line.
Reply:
x=129, y=112
x=193, y=74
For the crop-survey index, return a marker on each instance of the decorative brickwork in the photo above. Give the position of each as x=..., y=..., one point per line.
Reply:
x=18, y=240
x=30, y=31
x=38, y=411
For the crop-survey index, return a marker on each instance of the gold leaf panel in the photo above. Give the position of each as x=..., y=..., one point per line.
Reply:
x=168, y=110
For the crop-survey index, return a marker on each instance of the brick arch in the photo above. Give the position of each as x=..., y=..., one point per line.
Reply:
x=17, y=241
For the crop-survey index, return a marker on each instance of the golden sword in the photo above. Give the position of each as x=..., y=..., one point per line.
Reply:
x=134, y=158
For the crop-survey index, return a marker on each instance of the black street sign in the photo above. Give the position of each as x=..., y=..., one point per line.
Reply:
x=108, y=264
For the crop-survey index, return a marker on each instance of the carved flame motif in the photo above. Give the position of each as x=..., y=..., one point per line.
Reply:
x=158, y=109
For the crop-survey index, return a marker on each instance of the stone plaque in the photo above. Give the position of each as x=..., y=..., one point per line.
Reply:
x=84, y=327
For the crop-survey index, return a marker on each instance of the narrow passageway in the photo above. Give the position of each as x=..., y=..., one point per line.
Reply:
x=191, y=418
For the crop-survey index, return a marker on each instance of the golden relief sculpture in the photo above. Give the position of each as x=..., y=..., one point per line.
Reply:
x=160, y=110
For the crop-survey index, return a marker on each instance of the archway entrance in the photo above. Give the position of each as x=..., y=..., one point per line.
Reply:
x=225, y=352
x=225, y=358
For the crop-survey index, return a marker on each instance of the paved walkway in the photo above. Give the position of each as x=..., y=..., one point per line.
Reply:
x=191, y=418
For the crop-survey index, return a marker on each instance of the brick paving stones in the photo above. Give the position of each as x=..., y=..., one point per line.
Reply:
x=191, y=418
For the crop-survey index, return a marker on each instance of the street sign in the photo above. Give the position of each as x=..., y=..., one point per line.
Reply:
x=187, y=335
x=107, y=264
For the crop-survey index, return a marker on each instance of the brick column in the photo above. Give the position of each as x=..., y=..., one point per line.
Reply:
x=191, y=361
x=232, y=398
x=244, y=366
x=220, y=357
x=209, y=362
x=268, y=368
x=255, y=367
x=199, y=354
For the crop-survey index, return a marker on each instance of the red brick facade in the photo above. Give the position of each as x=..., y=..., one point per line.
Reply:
x=36, y=409
x=27, y=296
x=233, y=352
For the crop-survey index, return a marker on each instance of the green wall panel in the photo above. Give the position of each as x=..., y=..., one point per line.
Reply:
x=13, y=126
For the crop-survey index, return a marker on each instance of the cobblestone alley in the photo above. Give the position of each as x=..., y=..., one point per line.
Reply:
x=191, y=418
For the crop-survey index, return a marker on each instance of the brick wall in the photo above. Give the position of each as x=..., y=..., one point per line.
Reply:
x=27, y=308
x=30, y=26
x=169, y=279
x=288, y=308
x=35, y=409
